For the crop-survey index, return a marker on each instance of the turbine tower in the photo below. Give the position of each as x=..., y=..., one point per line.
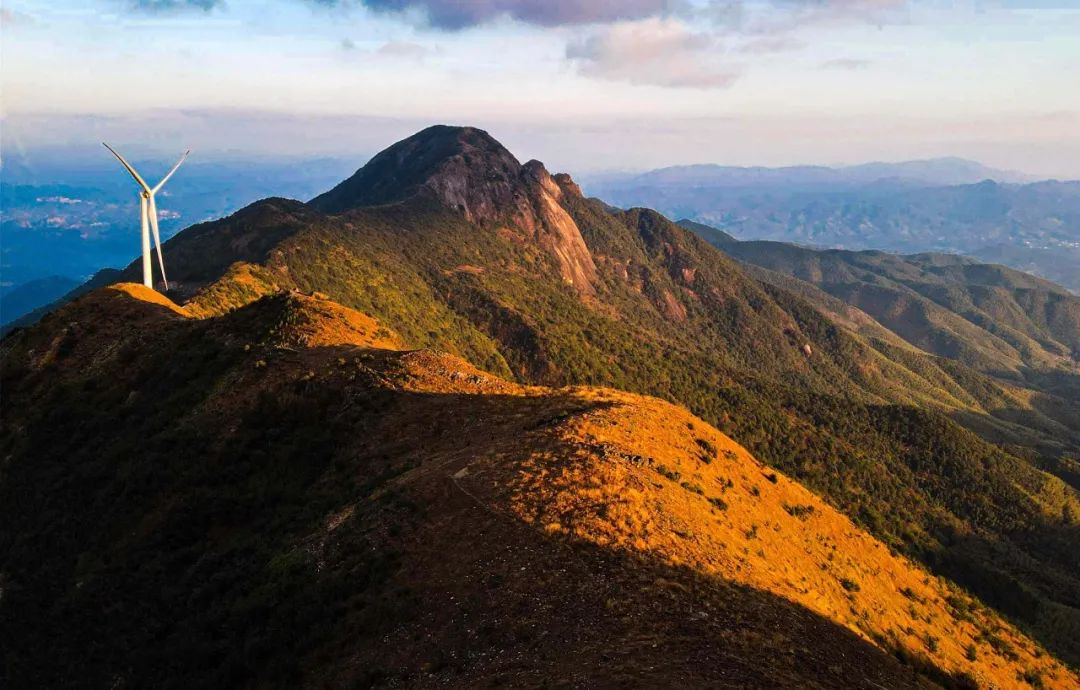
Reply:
x=149, y=217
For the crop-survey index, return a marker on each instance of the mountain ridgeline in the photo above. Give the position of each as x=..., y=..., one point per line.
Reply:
x=931, y=402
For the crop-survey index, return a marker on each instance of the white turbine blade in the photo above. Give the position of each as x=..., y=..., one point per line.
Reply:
x=144, y=216
x=127, y=165
x=157, y=238
x=170, y=173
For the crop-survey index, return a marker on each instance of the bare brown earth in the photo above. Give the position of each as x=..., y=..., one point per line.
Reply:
x=442, y=528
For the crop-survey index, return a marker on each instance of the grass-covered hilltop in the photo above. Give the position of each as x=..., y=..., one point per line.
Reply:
x=452, y=423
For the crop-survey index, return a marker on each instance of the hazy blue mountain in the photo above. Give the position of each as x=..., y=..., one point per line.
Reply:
x=17, y=300
x=903, y=208
x=933, y=172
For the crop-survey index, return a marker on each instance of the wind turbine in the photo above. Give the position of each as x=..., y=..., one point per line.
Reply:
x=148, y=216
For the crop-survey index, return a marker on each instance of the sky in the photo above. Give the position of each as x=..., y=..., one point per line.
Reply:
x=584, y=85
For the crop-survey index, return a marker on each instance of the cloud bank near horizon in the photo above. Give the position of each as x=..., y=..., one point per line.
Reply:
x=577, y=148
x=816, y=73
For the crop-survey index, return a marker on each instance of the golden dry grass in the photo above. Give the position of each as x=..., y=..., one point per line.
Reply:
x=636, y=475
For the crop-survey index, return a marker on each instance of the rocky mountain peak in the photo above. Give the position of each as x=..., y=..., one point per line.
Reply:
x=463, y=167
x=467, y=170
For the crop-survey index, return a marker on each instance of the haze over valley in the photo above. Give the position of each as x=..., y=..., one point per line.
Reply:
x=943, y=205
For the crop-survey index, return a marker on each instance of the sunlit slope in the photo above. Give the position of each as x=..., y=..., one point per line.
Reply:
x=274, y=494
x=649, y=478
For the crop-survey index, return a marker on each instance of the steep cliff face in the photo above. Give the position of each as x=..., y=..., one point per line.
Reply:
x=555, y=230
x=467, y=170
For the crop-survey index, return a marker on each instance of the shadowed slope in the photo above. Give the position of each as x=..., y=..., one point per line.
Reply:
x=283, y=505
x=440, y=160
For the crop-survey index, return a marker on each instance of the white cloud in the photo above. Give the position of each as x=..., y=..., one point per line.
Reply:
x=391, y=50
x=659, y=52
x=58, y=200
x=662, y=50
x=786, y=15
x=176, y=5
x=406, y=50
x=771, y=44
x=846, y=63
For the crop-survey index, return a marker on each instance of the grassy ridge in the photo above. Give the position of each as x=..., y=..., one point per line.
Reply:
x=271, y=497
x=676, y=319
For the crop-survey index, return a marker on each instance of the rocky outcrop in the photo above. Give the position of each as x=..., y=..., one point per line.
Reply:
x=465, y=169
x=555, y=230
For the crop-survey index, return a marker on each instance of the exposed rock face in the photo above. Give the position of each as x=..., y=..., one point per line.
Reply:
x=567, y=184
x=673, y=309
x=465, y=169
x=555, y=230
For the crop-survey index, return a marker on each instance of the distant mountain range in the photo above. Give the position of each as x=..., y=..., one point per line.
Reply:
x=24, y=298
x=398, y=434
x=943, y=205
x=934, y=172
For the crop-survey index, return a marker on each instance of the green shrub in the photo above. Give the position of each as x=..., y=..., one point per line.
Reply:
x=670, y=474
x=1032, y=678
x=800, y=512
x=693, y=488
x=718, y=503
x=708, y=450
x=849, y=585
x=931, y=643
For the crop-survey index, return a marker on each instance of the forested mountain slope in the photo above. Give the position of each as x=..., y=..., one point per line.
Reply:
x=989, y=317
x=1021, y=332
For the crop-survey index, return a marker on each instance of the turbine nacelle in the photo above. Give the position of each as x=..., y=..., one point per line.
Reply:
x=148, y=216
